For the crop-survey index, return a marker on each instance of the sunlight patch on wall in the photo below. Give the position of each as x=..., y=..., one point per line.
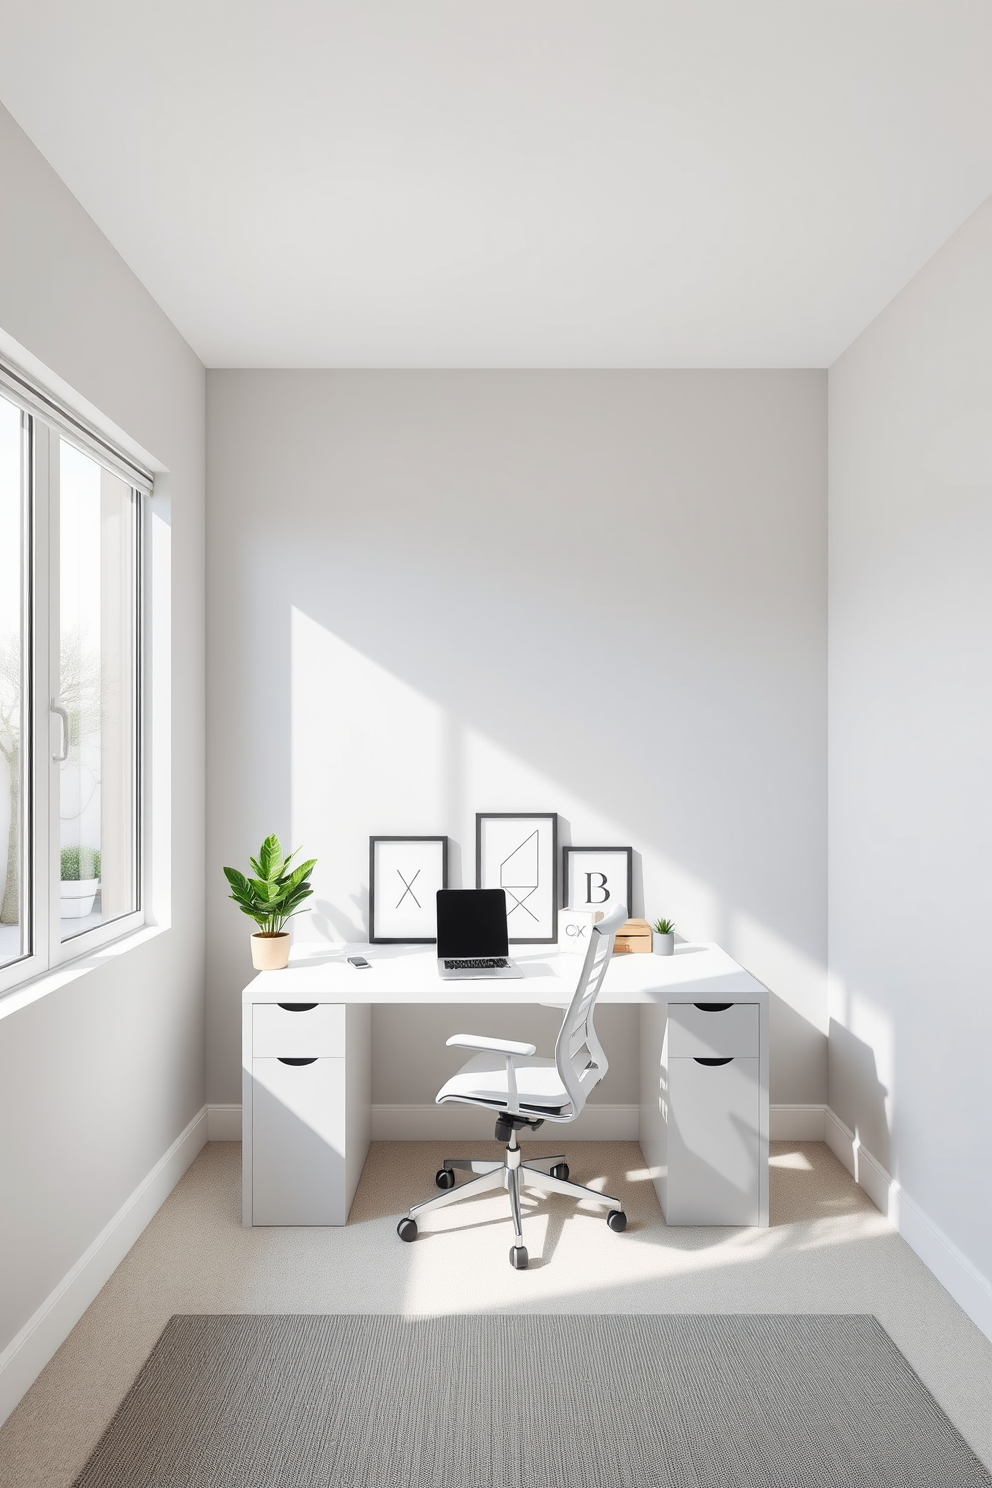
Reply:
x=369, y=756
x=495, y=779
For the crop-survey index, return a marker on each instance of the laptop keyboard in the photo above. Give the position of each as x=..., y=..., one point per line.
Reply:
x=478, y=963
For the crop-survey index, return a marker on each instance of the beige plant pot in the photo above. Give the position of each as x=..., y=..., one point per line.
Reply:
x=270, y=952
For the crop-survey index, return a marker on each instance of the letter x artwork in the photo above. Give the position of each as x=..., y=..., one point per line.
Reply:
x=405, y=874
x=518, y=853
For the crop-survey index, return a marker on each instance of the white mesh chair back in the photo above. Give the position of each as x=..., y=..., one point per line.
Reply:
x=579, y=1055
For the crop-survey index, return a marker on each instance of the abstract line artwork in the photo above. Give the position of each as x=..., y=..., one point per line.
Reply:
x=517, y=852
x=408, y=888
x=520, y=876
x=405, y=874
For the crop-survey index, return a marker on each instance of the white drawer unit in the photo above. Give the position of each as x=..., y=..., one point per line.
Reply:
x=704, y=1109
x=305, y=1116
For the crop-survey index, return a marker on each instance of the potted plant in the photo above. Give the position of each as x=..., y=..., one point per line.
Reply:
x=80, y=879
x=271, y=897
x=663, y=937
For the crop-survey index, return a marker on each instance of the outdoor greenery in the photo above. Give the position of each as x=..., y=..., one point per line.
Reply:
x=79, y=693
x=79, y=863
x=663, y=927
x=276, y=892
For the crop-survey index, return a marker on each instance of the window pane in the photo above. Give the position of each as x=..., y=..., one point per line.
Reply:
x=14, y=750
x=98, y=691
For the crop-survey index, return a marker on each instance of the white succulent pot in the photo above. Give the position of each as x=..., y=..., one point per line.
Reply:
x=76, y=896
x=663, y=945
x=270, y=952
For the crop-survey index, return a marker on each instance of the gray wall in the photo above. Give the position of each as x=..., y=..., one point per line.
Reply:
x=98, y=1078
x=910, y=877
x=601, y=593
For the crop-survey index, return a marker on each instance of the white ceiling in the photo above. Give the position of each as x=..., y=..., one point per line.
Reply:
x=493, y=183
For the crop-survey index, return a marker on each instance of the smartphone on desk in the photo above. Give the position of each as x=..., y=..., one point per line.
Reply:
x=359, y=962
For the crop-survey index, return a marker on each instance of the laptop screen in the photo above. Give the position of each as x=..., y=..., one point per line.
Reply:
x=471, y=922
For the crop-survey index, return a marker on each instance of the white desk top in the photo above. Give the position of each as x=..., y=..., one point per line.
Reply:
x=408, y=974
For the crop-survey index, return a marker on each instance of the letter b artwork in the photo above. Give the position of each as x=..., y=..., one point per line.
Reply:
x=597, y=878
x=597, y=888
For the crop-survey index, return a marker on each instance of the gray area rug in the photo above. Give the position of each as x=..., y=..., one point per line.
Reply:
x=496, y=1401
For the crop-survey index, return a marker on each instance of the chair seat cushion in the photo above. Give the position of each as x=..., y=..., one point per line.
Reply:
x=483, y=1080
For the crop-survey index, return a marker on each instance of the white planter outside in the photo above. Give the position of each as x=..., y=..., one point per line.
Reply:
x=76, y=896
x=270, y=952
x=663, y=945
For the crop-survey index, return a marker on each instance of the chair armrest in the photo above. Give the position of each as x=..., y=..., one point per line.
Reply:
x=496, y=1046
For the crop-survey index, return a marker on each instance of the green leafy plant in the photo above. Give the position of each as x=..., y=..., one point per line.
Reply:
x=663, y=927
x=276, y=891
x=79, y=863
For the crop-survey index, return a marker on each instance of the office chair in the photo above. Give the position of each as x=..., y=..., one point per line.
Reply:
x=527, y=1091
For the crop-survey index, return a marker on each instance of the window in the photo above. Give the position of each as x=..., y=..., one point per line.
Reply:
x=71, y=510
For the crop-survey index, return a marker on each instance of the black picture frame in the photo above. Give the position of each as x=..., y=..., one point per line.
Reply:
x=495, y=833
x=567, y=864
x=387, y=919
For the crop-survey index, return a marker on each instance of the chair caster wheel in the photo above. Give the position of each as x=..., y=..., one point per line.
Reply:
x=518, y=1257
x=617, y=1220
x=560, y=1170
x=444, y=1178
x=407, y=1229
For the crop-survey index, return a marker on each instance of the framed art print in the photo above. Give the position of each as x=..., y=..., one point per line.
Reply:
x=518, y=852
x=405, y=874
x=598, y=877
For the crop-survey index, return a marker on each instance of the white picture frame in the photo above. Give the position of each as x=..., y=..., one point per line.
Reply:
x=518, y=852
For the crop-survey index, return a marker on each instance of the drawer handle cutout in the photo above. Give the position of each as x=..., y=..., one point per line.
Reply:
x=713, y=1007
x=712, y=1063
x=297, y=1007
x=284, y=1060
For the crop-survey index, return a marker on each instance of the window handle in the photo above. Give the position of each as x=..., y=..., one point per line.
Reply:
x=63, y=714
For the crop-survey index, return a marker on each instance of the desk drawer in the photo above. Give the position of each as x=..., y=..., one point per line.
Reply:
x=714, y=1143
x=300, y=1030
x=299, y=1122
x=713, y=1031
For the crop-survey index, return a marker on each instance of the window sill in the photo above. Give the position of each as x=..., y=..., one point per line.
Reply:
x=23, y=995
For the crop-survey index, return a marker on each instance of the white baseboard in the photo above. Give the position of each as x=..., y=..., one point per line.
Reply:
x=970, y=1289
x=223, y=1123
x=796, y=1123
x=430, y=1123
x=30, y=1350
x=597, y=1123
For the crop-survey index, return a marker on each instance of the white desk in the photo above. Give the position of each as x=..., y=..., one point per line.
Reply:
x=307, y=1057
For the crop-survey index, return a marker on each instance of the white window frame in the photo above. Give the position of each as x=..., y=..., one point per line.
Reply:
x=45, y=421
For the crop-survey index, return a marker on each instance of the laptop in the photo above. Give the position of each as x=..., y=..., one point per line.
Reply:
x=472, y=938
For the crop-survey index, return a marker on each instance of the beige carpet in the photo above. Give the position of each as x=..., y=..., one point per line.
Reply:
x=828, y=1250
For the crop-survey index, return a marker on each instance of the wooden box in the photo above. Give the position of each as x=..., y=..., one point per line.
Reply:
x=633, y=937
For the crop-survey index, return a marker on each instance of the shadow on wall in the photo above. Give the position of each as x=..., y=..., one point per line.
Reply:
x=856, y=1093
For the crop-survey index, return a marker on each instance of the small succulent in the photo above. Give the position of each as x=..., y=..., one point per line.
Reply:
x=663, y=927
